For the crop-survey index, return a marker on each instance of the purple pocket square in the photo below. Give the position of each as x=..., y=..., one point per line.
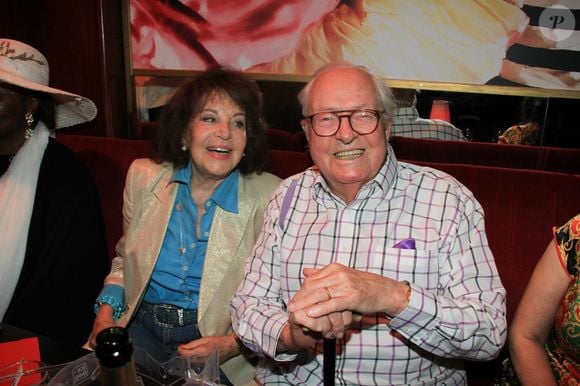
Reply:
x=405, y=244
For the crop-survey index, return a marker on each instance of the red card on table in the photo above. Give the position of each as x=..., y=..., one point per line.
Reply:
x=26, y=350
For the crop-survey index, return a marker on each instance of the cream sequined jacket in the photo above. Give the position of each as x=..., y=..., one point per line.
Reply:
x=147, y=204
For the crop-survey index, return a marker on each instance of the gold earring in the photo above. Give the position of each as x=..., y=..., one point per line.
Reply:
x=29, y=121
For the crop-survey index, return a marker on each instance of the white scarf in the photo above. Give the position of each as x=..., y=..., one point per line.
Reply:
x=17, y=191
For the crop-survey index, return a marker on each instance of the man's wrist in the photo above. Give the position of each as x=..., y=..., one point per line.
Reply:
x=407, y=299
x=284, y=339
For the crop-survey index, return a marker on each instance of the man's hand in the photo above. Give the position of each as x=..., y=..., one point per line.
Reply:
x=295, y=336
x=329, y=296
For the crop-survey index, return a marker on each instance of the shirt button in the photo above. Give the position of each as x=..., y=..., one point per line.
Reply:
x=206, y=234
x=185, y=268
x=208, y=203
x=193, y=245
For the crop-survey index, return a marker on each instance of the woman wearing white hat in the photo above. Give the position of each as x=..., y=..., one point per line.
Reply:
x=52, y=239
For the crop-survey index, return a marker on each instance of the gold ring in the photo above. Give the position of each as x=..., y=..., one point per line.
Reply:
x=328, y=293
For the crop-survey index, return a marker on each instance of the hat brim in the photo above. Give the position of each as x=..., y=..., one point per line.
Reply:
x=71, y=109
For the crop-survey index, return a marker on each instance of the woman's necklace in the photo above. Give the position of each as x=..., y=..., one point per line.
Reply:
x=182, y=247
x=183, y=260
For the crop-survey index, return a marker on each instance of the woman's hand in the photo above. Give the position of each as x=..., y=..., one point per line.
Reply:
x=201, y=349
x=104, y=319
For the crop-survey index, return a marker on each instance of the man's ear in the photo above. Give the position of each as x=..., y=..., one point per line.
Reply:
x=388, y=130
x=305, y=128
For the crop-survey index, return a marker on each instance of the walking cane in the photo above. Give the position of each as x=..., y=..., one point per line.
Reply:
x=328, y=361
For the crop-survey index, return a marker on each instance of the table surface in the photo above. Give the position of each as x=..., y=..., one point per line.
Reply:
x=52, y=352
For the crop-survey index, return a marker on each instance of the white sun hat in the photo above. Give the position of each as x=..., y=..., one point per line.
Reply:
x=24, y=66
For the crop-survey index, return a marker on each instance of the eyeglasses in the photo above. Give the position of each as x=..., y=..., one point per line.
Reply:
x=327, y=123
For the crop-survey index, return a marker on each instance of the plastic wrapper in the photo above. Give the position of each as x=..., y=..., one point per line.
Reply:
x=85, y=371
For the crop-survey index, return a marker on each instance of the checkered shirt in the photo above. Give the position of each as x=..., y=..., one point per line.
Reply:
x=457, y=304
x=407, y=123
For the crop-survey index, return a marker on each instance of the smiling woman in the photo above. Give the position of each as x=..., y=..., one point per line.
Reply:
x=191, y=215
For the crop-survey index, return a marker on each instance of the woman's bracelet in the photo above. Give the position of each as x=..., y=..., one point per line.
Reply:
x=118, y=308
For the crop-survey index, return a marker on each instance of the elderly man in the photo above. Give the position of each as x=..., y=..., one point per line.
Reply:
x=389, y=258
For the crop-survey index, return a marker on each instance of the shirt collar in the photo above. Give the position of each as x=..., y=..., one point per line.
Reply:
x=226, y=194
x=182, y=175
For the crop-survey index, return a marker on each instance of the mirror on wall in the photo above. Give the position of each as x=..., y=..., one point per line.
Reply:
x=482, y=117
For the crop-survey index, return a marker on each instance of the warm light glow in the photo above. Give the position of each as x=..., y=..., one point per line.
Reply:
x=440, y=110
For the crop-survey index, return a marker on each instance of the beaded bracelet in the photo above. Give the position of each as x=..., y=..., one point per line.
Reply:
x=118, y=308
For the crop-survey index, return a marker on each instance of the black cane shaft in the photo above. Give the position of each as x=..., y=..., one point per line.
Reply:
x=329, y=361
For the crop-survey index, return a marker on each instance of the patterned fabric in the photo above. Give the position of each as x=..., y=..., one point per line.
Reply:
x=563, y=346
x=528, y=134
x=407, y=123
x=457, y=305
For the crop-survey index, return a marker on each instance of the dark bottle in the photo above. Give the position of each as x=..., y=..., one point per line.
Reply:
x=115, y=352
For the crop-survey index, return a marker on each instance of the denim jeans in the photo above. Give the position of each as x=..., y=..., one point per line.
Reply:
x=161, y=342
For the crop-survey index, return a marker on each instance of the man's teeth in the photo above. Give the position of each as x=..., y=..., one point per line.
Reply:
x=348, y=155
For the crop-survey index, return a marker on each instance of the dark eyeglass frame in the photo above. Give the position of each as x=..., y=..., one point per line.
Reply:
x=344, y=114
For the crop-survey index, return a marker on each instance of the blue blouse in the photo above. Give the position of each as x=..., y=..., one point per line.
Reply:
x=177, y=275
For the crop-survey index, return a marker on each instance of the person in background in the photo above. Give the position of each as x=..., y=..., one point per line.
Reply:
x=53, y=248
x=529, y=130
x=191, y=216
x=407, y=122
x=543, y=340
x=522, y=134
x=389, y=258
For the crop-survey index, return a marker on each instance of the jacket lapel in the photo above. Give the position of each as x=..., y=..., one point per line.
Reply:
x=227, y=233
x=157, y=204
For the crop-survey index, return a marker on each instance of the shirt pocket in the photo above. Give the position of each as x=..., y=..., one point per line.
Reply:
x=416, y=266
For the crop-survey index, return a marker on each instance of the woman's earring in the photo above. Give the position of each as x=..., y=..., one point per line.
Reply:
x=183, y=145
x=29, y=121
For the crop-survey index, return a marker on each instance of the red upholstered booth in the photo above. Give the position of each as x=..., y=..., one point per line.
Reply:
x=490, y=154
x=520, y=205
